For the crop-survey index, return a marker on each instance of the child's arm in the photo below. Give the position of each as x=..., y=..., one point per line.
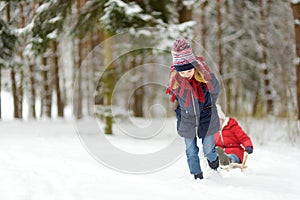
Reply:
x=216, y=88
x=242, y=137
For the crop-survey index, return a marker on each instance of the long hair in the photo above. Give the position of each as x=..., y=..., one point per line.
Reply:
x=178, y=85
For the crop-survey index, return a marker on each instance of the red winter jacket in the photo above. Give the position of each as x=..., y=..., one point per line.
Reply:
x=235, y=140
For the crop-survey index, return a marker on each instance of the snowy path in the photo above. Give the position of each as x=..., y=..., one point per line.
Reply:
x=46, y=160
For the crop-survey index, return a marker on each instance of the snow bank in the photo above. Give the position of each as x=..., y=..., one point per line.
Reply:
x=46, y=160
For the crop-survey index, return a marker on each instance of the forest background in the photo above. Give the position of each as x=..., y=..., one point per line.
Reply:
x=111, y=58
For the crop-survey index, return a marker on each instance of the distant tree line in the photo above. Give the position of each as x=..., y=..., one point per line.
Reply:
x=255, y=45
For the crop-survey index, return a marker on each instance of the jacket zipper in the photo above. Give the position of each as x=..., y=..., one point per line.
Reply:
x=195, y=112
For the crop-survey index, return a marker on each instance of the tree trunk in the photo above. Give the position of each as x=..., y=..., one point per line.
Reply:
x=108, y=82
x=47, y=92
x=184, y=12
x=138, y=105
x=59, y=102
x=138, y=92
x=20, y=94
x=90, y=75
x=85, y=73
x=285, y=94
x=296, y=14
x=220, y=35
x=77, y=101
x=99, y=96
x=203, y=24
x=153, y=76
x=32, y=91
x=0, y=93
x=32, y=75
x=14, y=92
x=255, y=103
x=228, y=82
x=78, y=94
x=13, y=75
x=266, y=81
x=21, y=49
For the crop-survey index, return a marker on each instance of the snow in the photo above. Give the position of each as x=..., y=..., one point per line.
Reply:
x=43, y=7
x=53, y=34
x=27, y=29
x=140, y=32
x=2, y=5
x=55, y=19
x=130, y=10
x=47, y=160
x=188, y=3
x=296, y=61
x=145, y=17
x=295, y=1
x=297, y=22
x=183, y=26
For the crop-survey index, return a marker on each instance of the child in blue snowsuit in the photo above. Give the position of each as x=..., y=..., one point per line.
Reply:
x=196, y=90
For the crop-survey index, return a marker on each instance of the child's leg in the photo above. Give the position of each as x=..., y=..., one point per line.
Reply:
x=192, y=151
x=223, y=157
x=209, y=150
x=234, y=158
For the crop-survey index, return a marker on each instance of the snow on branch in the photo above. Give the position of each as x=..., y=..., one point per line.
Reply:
x=297, y=22
x=3, y=62
x=296, y=61
x=295, y=1
x=53, y=34
x=23, y=31
x=118, y=14
x=130, y=10
x=188, y=3
x=55, y=19
x=43, y=7
x=2, y=5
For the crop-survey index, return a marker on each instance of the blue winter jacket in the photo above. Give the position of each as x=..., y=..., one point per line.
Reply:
x=199, y=119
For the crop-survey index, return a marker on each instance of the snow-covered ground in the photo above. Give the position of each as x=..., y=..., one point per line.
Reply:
x=47, y=160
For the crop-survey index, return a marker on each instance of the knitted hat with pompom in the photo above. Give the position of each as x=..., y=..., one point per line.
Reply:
x=183, y=57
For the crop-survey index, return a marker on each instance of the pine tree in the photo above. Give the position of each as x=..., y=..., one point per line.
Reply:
x=8, y=42
x=47, y=26
x=7, y=53
x=112, y=17
x=296, y=13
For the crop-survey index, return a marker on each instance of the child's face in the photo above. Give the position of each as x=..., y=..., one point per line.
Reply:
x=188, y=74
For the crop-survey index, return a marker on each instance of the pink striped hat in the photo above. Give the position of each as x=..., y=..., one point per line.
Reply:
x=183, y=57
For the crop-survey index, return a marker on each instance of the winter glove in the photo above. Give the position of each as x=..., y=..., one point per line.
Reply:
x=249, y=149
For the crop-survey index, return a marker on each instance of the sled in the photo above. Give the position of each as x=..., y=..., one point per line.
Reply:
x=241, y=166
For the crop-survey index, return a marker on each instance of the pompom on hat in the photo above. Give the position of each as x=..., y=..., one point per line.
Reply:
x=183, y=57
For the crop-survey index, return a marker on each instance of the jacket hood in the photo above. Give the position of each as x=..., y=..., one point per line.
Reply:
x=229, y=122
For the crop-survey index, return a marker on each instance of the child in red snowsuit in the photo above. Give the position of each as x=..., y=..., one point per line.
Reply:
x=232, y=140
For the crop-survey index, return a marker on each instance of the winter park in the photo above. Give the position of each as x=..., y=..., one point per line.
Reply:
x=144, y=99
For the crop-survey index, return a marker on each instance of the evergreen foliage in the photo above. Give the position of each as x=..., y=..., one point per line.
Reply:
x=155, y=23
x=48, y=23
x=8, y=41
